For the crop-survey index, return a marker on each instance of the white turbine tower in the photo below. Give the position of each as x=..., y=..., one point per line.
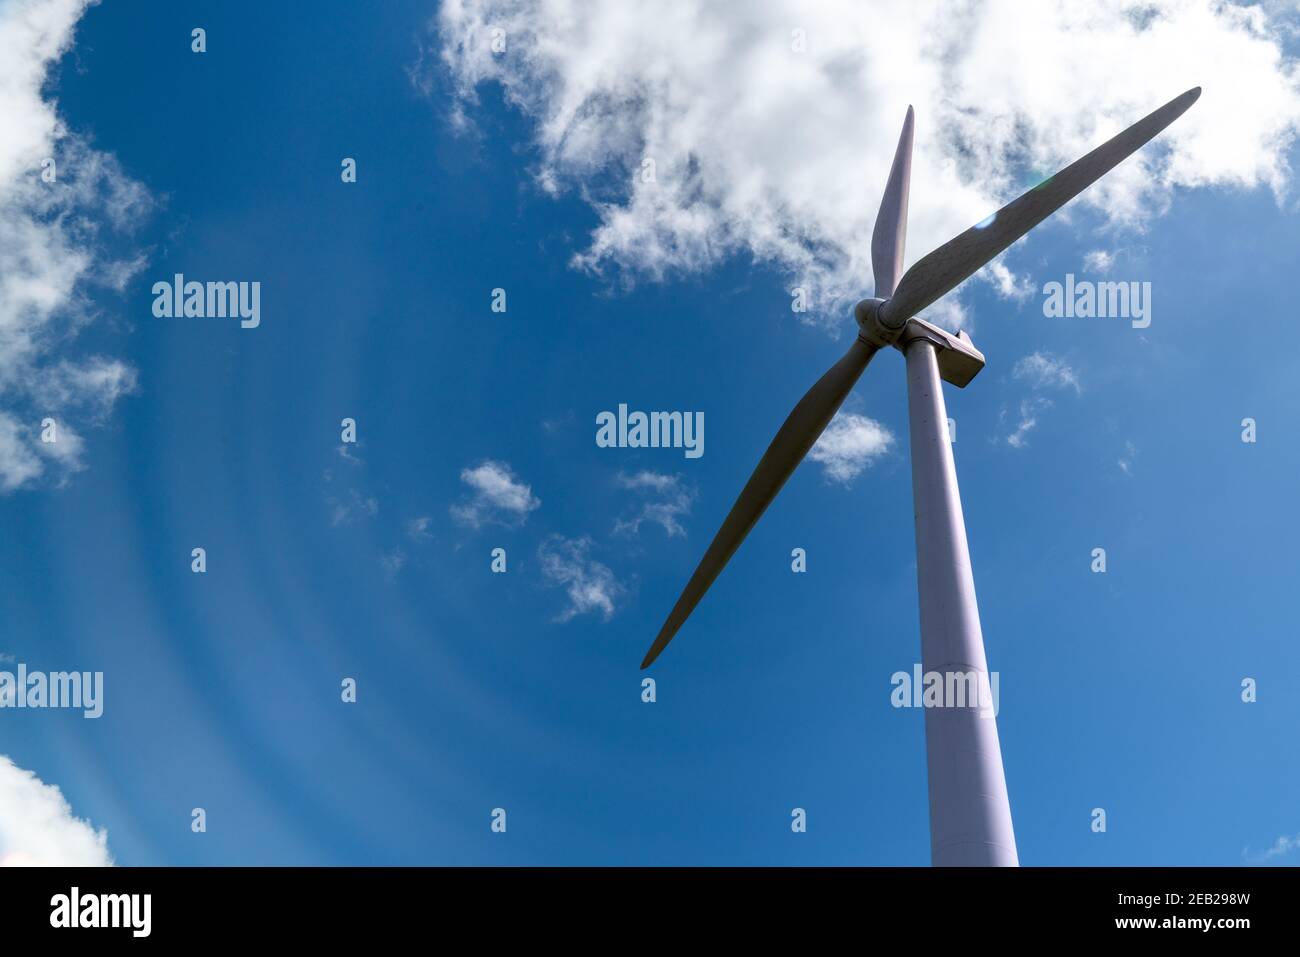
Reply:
x=970, y=815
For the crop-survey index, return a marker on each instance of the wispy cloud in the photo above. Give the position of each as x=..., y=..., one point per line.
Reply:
x=38, y=828
x=591, y=586
x=1098, y=260
x=560, y=422
x=55, y=237
x=1045, y=371
x=1042, y=372
x=1030, y=409
x=850, y=443
x=771, y=129
x=1126, y=460
x=1284, y=845
x=662, y=499
x=393, y=562
x=345, y=509
x=496, y=496
x=417, y=529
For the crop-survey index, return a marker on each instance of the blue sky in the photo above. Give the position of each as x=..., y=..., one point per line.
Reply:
x=478, y=690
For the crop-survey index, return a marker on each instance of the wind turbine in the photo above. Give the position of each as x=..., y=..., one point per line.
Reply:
x=970, y=815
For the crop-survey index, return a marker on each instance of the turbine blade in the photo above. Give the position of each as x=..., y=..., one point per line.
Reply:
x=889, y=237
x=800, y=431
x=943, y=269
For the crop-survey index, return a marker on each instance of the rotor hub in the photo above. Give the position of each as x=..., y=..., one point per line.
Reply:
x=867, y=315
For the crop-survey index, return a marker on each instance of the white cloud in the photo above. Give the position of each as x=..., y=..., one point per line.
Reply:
x=53, y=249
x=658, y=481
x=1126, y=460
x=551, y=426
x=18, y=463
x=782, y=155
x=1284, y=845
x=850, y=443
x=393, y=562
x=348, y=508
x=1045, y=371
x=1030, y=409
x=664, y=500
x=1007, y=283
x=1098, y=260
x=1042, y=371
x=38, y=828
x=591, y=586
x=418, y=528
x=496, y=495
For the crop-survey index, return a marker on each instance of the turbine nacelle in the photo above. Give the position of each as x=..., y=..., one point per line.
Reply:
x=959, y=360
